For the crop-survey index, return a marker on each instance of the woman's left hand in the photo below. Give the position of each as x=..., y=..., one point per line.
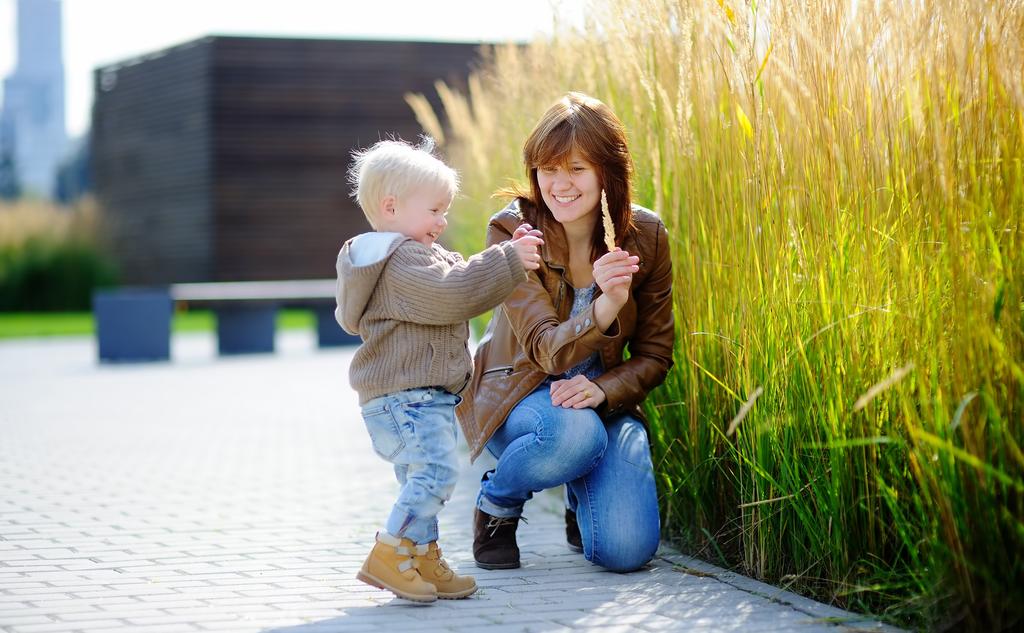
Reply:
x=576, y=393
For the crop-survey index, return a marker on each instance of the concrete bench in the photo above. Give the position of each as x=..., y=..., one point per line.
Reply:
x=134, y=324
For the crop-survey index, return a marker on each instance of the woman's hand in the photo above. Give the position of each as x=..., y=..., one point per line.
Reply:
x=576, y=393
x=613, y=272
x=526, y=241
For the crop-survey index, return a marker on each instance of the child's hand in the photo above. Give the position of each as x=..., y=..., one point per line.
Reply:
x=526, y=240
x=525, y=229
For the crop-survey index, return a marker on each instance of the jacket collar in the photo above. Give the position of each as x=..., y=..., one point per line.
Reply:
x=555, y=250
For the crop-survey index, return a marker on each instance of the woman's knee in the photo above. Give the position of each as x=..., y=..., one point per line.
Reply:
x=577, y=435
x=571, y=435
x=625, y=553
x=551, y=445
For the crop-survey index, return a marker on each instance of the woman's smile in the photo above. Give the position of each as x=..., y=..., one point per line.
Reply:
x=566, y=199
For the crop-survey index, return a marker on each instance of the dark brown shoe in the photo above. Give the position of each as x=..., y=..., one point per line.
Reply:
x=494, y=541
x=572, y=531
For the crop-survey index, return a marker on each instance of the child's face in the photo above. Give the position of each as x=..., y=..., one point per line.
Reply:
x=421, y=214
x=571, y=191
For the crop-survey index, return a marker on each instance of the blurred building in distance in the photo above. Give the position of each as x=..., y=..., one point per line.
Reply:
x=225, y=158
x=74, y=174
x=33, y=136
x=10, y=187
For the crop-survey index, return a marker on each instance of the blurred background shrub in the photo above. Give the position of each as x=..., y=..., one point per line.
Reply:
x=51, y=257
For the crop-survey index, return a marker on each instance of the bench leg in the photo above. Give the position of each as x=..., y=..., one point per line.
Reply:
x=328, y=332
x=132, y=325
x=245, y=330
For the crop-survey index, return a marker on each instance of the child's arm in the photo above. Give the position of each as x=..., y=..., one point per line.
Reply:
x=434, y=292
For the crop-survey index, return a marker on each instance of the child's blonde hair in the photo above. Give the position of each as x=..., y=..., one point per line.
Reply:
x=394, y=168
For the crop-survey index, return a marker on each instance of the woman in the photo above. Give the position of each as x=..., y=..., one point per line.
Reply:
x=552, y=397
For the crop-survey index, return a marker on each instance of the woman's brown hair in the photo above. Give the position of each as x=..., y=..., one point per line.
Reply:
x=580, y=122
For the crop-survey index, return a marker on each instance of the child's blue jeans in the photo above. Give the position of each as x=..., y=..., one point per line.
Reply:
x=415, y=431
x=606, y=466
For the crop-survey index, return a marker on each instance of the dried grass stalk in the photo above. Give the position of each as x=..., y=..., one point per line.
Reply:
x=609, y=227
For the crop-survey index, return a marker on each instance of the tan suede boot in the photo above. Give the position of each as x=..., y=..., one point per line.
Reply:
x=435, y=570
x=392, y=565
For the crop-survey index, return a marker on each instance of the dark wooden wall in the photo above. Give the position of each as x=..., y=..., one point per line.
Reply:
x=226, y=158
x=151, y=140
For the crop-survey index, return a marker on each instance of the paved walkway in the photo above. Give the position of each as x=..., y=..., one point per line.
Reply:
x=241, y=494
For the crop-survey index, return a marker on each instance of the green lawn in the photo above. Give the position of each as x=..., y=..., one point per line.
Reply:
x=25, y=324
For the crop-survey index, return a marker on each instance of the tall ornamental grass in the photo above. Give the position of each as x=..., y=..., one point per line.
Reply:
x=843, y=182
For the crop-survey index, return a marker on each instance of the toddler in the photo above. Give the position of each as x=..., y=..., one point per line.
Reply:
x=409, y=299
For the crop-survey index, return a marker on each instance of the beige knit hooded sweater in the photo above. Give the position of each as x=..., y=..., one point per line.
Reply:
x=410, y=304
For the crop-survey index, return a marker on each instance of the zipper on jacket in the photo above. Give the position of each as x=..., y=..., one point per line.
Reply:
x=503, y=368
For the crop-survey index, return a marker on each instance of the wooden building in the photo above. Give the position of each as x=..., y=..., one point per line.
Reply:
x=225, y=158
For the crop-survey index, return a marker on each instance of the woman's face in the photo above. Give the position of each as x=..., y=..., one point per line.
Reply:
x=571, y=191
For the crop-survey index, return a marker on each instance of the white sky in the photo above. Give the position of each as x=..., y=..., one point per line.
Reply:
x=99, y=32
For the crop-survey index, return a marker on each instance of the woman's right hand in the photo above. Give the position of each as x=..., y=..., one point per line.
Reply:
x=613, y=272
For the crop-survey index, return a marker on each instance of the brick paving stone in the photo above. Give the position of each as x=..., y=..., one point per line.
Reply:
x=122, y=613
x=25, y=588
x=240, y=622
x=15, y=620
x=521, y=627
x=153, y=628
x=60, y=627
x=241, y=494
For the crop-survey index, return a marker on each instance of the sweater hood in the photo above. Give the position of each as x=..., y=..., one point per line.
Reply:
x=360, y=263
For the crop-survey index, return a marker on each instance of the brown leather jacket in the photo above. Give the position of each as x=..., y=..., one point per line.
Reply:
x=531, y=337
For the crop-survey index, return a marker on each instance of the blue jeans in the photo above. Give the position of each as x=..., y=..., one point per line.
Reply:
x=606, y=467
x=415, y=431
